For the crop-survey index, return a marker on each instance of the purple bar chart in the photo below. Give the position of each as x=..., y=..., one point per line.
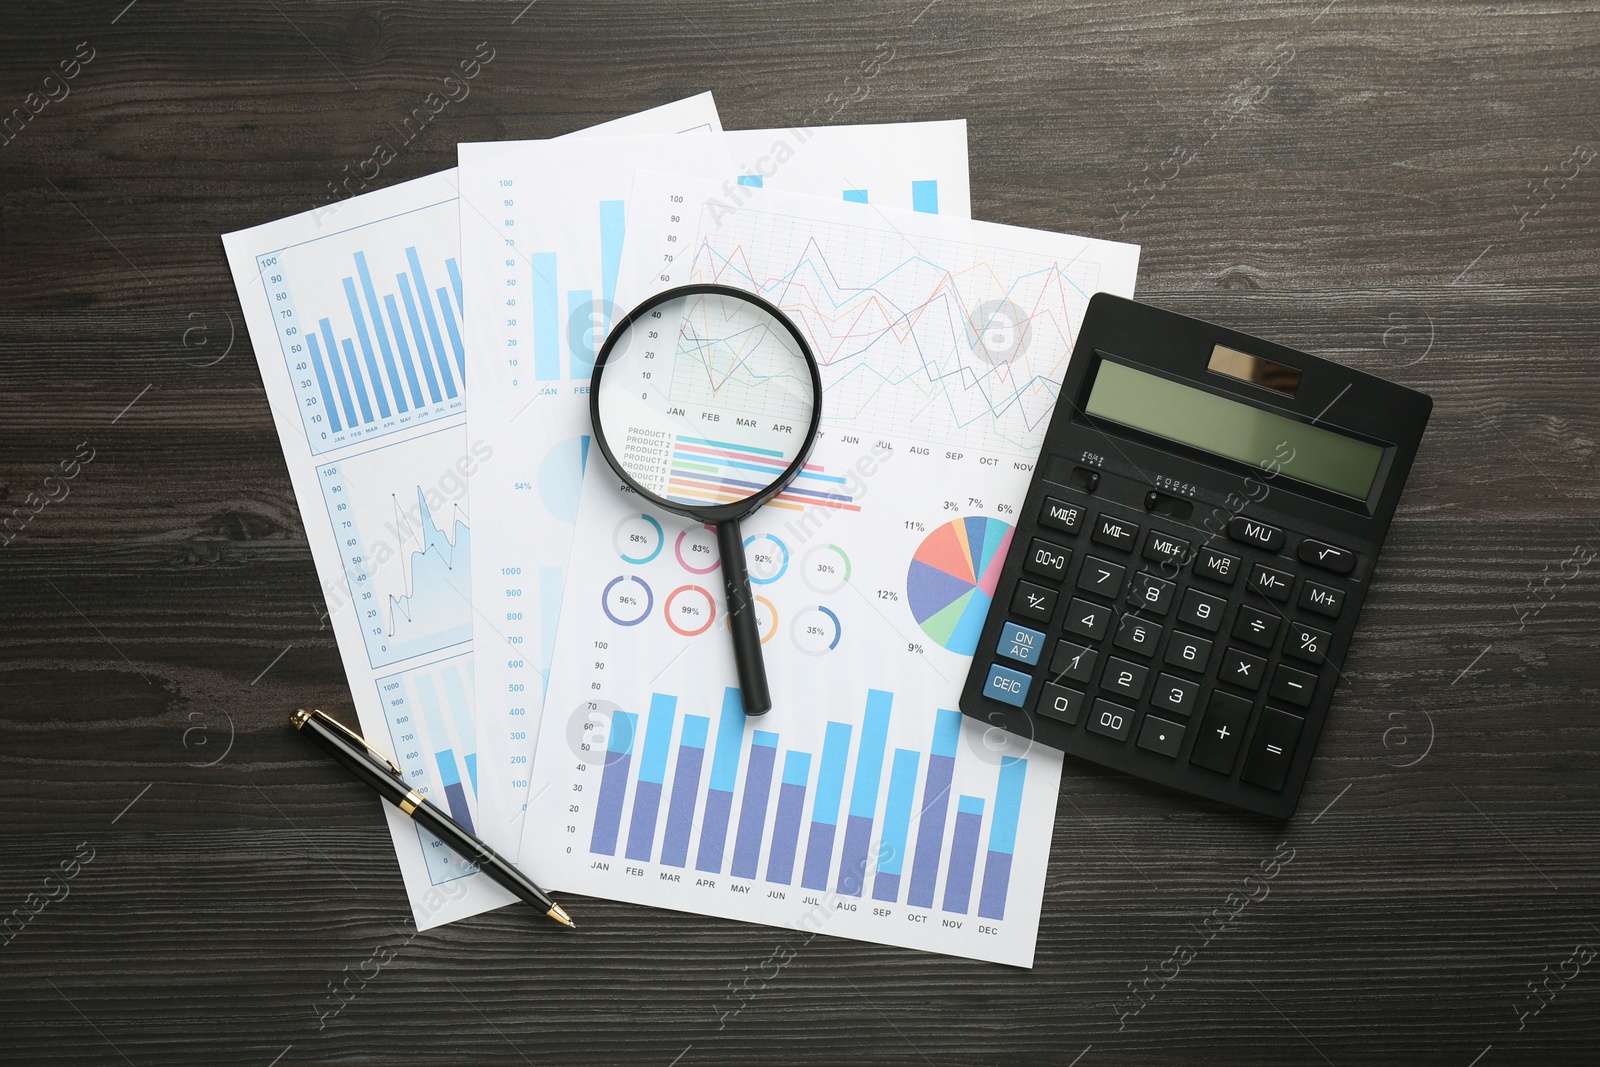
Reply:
x=683, y=788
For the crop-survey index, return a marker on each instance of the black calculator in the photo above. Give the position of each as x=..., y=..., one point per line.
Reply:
x=1190, y=560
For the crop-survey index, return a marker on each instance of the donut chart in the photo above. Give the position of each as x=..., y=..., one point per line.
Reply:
x=952, y=578
x=639, y=539
x=621, y=601
x=689, y=610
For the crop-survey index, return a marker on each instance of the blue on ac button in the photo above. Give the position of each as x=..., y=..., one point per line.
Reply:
x=1007, y=686
x=1021, y=644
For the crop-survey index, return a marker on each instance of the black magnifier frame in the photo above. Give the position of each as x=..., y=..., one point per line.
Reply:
x=754, y=692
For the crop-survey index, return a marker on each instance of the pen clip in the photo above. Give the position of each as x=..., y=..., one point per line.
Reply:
x=324, y=717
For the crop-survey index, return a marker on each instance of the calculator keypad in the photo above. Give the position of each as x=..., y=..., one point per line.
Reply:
x=1160, y=646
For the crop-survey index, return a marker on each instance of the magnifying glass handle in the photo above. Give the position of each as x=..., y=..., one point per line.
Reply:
x=742, y=620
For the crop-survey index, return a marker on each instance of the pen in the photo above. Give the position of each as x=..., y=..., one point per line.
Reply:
x=350, y=749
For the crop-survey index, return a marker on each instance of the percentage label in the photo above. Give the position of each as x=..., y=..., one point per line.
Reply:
x=911, y=524
x=888, y=594
x=704, y=549
x=912, y=646
x=1005, y=509
x=825, y=568
x=951, y=505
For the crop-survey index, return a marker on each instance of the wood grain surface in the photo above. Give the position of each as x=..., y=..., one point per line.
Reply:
x=1411, y=188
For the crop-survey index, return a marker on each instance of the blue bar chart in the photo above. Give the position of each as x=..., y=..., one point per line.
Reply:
x=573, y=325
x=371, y=337
x=433, y=737
x=761, y=812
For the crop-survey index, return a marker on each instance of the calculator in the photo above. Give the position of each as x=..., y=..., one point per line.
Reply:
x=1190, y=560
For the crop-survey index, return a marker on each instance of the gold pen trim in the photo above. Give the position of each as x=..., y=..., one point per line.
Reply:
x=410, y=802
x=559, y=914
x=302, y=716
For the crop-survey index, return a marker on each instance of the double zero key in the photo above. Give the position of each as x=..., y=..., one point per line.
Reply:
x=1047, y=560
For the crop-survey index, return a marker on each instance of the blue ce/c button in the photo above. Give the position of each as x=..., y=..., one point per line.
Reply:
x=1007, y=686
x=1021, y=644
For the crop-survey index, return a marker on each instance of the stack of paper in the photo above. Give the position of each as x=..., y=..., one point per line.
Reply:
x=549, y=662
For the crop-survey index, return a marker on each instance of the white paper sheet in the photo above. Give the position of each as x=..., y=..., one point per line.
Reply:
x=863, y=804
x=543, y=225
x=354, y=312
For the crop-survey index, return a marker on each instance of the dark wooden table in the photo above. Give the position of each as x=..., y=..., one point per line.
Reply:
x=1412, y=189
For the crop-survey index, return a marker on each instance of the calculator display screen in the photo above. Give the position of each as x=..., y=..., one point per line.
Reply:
x=1233, y=430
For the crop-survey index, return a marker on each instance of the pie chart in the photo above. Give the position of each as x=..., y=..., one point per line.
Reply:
x=952, y=578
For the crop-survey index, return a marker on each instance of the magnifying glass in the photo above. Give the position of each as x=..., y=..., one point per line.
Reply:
x=706, y=400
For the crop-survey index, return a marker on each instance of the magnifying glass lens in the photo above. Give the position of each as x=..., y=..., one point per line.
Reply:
x=705, y=399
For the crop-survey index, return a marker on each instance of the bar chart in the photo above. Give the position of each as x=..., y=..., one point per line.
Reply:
x=586, y=319
x=745, y=814
x=701, y=469
x=433, y=738
x=371, y=333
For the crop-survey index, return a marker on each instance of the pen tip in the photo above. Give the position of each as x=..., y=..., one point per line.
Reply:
x=557, y=913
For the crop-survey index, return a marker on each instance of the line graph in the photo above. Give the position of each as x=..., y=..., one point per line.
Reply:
x=961, y=341
x=406, y=546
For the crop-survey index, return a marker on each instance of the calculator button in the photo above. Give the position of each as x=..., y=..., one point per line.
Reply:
x=1161, y=736
x=1293, y=686
x=1201, y=610
x=1072, y=661
x=1034, y=601
x=1321, y=599
x=1086, y=618
x=1059, y=702
x=1164, y=548
x=1256, y=627
x=1101, y=577
x=1216, y=746
x=1122, y=676
x=1174, y=693
x=1061, y=515
x=1218, y=566
x=1021, y=644
x=1251, y=532
x=1328, y=557
x=1304, y=642
x=1112, y=720
x=1007, y=686
x=1118, y=533
x=1136, y=635
x=1267, y=762
x=1271, y=583
x=1047, y=560
x=1190, y=653
x=1151, y=593
x=1241, y=668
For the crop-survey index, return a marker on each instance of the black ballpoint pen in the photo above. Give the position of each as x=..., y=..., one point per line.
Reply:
x=350, y=749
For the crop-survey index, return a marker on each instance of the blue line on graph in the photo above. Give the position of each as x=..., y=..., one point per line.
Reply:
x=405, y=354
x=546, y=319
x=382, y=334
x=427, y=358
x=322, y=382
x=366, y=347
